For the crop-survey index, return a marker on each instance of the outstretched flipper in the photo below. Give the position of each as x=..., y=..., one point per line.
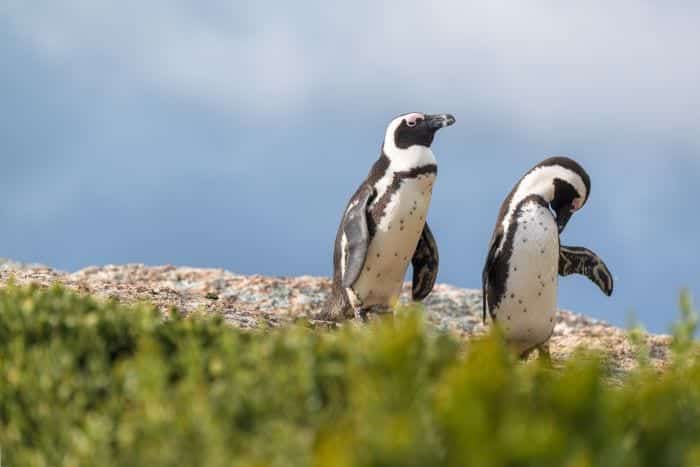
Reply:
x=579, y=260
x=355, y=237
x=425, y=264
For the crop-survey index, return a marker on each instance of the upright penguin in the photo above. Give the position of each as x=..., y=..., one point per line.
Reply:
x=384, y=224
x=520, y=276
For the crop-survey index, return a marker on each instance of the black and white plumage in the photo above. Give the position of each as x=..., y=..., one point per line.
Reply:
x=384, y=224
x=520, y=275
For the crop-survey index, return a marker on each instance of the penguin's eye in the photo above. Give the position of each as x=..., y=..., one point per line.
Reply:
x=411, y=123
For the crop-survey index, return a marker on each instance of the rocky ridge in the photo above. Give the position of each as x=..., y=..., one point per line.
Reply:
x=254, y=301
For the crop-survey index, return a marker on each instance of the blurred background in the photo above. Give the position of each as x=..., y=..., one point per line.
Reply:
x=231, y=134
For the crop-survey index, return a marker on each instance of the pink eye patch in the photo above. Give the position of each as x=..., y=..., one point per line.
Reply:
x=412, y=119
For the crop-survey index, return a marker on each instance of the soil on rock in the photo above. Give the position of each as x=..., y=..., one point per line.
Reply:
x=255, y=301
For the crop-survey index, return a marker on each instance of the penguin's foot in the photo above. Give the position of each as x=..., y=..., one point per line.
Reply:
x=544, y=355
x=361, y=314
x=526, y=354
x=365, y=315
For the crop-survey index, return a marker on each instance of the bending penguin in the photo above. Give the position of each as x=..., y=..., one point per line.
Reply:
x=384, y=224
x=520, y=277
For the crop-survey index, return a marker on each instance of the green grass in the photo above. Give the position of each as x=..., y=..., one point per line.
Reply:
x=86, y=383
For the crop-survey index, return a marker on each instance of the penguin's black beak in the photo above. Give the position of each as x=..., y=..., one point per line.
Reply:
x=563, y=215
x=435, y=122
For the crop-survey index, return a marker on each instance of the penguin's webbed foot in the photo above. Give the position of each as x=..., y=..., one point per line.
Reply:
x=544, y=355
x=361, y=314
x=368, y=314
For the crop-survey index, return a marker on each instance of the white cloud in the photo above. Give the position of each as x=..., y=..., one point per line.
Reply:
x=206, y=57
x=541, y=65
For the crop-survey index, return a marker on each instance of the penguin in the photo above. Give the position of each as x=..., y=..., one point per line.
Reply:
x=525, y=257
x=384, y=224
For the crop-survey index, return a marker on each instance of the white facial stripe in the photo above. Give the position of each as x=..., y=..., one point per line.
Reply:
x=405, y=159
x=540, y=182
x=411, y=119
x=401, y=160
x=389, y=145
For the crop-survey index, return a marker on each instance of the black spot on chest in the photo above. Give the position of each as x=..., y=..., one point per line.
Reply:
x=378, y=209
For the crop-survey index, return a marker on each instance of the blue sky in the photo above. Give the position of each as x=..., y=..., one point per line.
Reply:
x=231, y=134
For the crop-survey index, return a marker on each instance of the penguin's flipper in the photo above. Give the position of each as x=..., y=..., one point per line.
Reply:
x=490, y=259
x=355, y=236
x=425, y=264
x=579, y=260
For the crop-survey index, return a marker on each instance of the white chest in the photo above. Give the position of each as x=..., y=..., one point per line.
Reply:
x=394, y=242
x=527, y=311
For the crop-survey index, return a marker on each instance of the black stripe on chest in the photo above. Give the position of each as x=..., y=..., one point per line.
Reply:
x=498, y=275
x=378, y=209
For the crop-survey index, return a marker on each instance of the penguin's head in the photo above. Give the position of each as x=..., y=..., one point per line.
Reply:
x=570, y=187
x=414, y=129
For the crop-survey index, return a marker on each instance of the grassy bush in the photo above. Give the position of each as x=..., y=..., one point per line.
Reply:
x=84, y=383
